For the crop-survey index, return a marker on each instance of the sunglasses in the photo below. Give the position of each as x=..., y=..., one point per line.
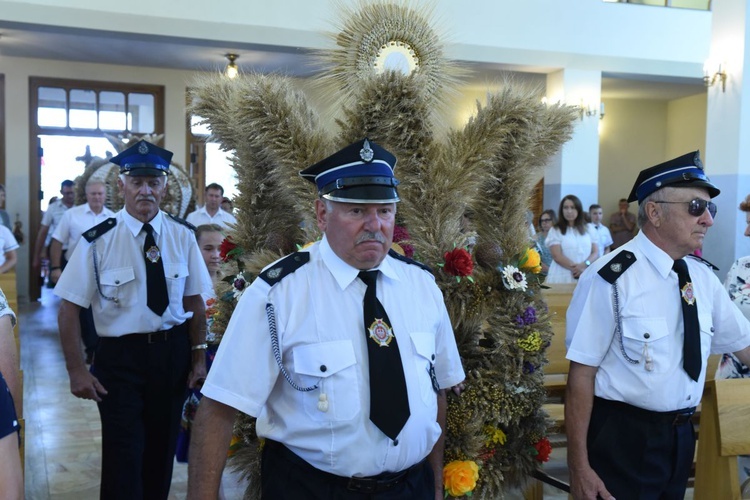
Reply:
x=696, y=206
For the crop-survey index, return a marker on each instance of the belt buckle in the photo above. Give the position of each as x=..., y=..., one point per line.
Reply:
x=362, y=485
x=682, y=418
x=155, y=337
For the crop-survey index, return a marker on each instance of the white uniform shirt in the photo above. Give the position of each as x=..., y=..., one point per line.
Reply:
x=201, y=216
x=52, y=218
x=651, y=315
x=122, y=275
x=74, y=222
x=604, y=237
x=318, y=311
x=7, y=243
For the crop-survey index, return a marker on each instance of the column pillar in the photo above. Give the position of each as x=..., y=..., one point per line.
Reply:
x=575, y=169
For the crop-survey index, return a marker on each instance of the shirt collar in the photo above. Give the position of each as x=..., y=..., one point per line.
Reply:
x=342, y=272
x=135, y=226
x=661, y=261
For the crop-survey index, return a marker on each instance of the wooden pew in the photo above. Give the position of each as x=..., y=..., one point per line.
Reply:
x=725, y=420
x=556, y=372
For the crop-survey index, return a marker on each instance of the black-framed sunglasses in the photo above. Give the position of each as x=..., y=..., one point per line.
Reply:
x=696, y=206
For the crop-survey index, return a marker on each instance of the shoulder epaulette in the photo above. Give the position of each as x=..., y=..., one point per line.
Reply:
x=616, y=266
x=99, y=229
x=181, y=221
x=284, y=267
x=701, y=259
x=413, y=262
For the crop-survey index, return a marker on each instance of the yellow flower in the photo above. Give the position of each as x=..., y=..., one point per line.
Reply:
x=531, y=343
x=531, y=261
x=460, y=477
x=494, y=436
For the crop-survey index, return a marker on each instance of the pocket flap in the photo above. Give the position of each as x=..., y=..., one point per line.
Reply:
x=175, y=271
x=117, y=277
x=644, y=329
x=706, y=323
x=424, y=344
x=324, y=359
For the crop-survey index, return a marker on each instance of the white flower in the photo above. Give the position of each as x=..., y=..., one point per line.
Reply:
x=238, y=286
x=513, y=279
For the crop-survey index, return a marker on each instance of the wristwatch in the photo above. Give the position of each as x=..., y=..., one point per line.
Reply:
x=587, y=262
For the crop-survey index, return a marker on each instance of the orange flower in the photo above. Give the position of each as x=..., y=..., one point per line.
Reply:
x=531, y=261
x=460, y=477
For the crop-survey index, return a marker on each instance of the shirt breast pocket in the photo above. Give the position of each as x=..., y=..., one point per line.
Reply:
x=644, y=338
x=707, y=333
x=176, y=274
x=424, y=347
x=119, y=284
x=333, y=366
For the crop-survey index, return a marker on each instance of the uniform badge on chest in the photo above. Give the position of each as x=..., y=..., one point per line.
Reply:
x=153, y=254
x=687, y=294
x=380, y=332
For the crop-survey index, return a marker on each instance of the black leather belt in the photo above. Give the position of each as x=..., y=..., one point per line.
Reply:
x=150, y=338
x=677, y=417
x=366, y=485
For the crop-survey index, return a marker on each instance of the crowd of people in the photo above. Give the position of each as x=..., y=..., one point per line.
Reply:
x=321, y=393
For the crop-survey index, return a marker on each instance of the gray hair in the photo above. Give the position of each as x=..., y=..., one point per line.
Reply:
x=657, y=195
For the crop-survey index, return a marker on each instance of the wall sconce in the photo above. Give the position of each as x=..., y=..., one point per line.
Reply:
x=589, y=110
x=232, y=70
x=720, y=74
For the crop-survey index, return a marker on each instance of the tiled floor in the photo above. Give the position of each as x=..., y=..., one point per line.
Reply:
x=63, y=442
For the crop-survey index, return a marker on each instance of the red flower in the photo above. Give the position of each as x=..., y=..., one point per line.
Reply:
x=400, y=233
x=226, y=247
x=458, y=262
x=543, y=449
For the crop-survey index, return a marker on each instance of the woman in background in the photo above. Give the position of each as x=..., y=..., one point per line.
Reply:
x=11, y=474
x=572, y=243
x=546, y=221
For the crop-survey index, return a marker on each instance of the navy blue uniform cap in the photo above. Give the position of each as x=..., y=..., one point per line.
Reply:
x=683, y=171
x=362, y=172
x=143, y=159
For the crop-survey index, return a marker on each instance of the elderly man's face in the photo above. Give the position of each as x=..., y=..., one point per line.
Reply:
x=359, y=233
x=680, y=230
x=143, y=195
x=95, y=194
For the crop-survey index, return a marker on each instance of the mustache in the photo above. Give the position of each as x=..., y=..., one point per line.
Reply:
x=368, y=236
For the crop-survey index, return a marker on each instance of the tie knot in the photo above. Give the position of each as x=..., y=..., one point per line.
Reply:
x=369, y=277
x=680, y=267
x=147, y=227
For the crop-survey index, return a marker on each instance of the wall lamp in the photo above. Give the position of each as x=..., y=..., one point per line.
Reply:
x=232, y=70
x=590, y=110
x=719, y=75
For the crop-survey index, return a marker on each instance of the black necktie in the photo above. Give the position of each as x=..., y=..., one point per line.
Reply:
x=389, y=402
x=156, y=283
x=691, y=348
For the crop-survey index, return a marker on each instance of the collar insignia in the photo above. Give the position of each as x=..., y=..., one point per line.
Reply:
x=687, y=294
x=380, y=332
x=616, y=267
x=153, y=254
x=274, y=273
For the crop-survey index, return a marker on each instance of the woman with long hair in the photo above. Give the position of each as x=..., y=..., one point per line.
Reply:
x=571, y=242
x=547, y=219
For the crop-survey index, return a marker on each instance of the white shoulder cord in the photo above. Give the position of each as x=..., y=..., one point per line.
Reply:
x=277, y=352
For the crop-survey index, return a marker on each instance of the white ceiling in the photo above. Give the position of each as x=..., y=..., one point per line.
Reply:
x=45, y=42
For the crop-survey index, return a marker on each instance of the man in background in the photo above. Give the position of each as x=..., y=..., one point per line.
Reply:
x=604, y=237
x=50, y=220
x=212, y=213
x=621, y=225
x=64, y=240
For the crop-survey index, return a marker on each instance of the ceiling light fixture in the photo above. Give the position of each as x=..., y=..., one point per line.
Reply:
x=232, y=70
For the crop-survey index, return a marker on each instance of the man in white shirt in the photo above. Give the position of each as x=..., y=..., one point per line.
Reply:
x=602, y=232
x=339, y=420
x=65, y=238
x=640, y=327
x=50, y=220
x=212, y=213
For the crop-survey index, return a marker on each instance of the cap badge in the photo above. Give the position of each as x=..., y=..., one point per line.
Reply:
x=697, y=160
x=274, y=273
x=143, y=148
x=380, y=332
x=366, y=153
x=153, y=254
x=687, y=294
x=616, y=267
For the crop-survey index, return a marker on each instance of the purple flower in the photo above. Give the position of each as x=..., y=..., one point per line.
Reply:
x=527, y=318
x=528, y=368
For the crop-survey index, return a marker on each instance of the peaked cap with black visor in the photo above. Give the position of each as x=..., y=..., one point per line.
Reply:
x=683, y=171
x=143, y=159
x=361, y=172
